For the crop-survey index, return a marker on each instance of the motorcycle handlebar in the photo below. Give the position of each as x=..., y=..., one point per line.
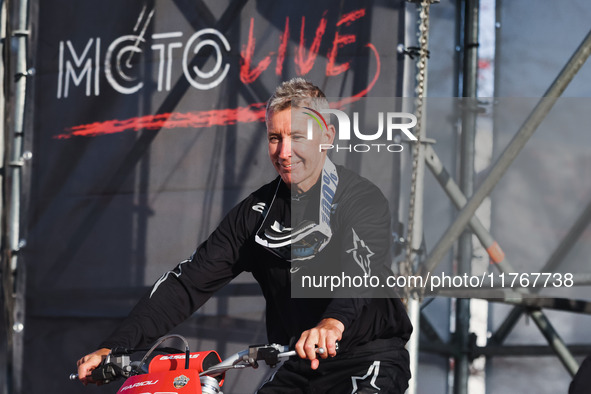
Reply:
x=121, y=366
x=270, y=354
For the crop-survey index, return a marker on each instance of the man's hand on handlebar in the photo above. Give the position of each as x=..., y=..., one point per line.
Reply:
x=89, y=362
x=323, y=336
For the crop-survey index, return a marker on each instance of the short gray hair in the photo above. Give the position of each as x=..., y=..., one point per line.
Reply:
x=296, y=92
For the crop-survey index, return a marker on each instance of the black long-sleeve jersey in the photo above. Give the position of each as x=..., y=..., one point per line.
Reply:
x=358, y=244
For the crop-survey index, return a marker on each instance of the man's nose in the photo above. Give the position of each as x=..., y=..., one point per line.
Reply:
x=285, y=148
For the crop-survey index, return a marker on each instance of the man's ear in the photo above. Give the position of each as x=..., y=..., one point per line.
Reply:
x=329, y=134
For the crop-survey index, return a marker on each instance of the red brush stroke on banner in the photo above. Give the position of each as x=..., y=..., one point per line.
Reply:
x=217, y=117
x=355, y=97
x=305, y=63
x=247, y=75
x=349, y=18
x=197, y=119
x=282, y=48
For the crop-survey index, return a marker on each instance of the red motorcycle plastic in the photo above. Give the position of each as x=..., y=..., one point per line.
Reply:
x=182, y=373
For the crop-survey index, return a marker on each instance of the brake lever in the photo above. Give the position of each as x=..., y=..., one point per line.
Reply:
x=267, y=353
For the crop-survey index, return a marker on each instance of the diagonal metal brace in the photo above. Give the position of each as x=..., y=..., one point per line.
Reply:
x=510, y=153
x=497, y=255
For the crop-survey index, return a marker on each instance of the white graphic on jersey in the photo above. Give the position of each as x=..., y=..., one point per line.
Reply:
x=176, y=272
x=373, y=371
x=293, y=270
x=280, y=228
x=361, y=253
x=259, y=207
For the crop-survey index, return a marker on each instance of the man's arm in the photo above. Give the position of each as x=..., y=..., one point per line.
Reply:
x=178, y=293
x=181, y=291
x=364, y=225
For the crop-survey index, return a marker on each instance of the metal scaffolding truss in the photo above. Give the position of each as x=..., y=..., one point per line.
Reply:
x=462, y=347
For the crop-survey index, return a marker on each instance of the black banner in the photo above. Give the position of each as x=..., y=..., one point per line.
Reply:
x=147, y=127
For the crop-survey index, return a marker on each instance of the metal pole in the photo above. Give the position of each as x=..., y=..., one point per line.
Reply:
x=507, y=326
x=416, y=206
x=467, y=152
x=4, y=333
x=459, y=200
x=527, y=350
x=16, y=329
x=569, y=240
x=510, y=153
x=413, y=308
x=556, y=343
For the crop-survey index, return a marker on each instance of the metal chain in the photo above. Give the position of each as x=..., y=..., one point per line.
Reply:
x=406, y=266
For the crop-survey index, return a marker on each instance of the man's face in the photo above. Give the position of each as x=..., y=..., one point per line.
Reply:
x=297, y=159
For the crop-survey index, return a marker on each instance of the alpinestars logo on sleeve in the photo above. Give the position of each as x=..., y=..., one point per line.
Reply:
x=361, y=253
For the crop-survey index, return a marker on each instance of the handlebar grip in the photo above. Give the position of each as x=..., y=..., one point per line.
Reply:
x=103, y=373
